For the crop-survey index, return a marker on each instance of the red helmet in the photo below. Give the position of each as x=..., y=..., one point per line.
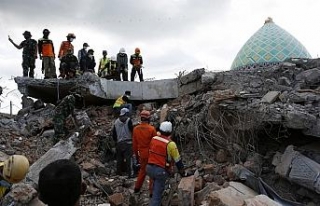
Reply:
x=145, y=114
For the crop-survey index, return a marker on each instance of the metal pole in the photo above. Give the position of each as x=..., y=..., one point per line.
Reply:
x=10, y=108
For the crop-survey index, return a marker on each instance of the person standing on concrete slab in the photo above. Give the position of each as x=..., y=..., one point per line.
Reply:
x=122, y=135
x=102, y=70
x=64, y=48
x=122, y=64
x=29, y=54
x=136, y=61
x=60, y=183
x=82, y=53
x=47, y=55
x=163, y=153
x=142, y=136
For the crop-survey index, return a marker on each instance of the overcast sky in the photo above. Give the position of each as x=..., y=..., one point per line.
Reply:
x=173, y=35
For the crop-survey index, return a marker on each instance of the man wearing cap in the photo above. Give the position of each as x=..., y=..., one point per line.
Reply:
x=123, y=102
x=122, y=135
x=29, y=54
x=65, y=48
x=47, y=55
x=82, y=53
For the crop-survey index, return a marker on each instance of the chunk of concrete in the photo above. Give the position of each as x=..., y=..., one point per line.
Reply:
x=261, y=200
x=234, y=195
x=299, y=119
x=299, y=169
x=64, y=149
x=200, y=195
x=192, y=76
x=186, y=191
x=116, y=199
x=270, y=97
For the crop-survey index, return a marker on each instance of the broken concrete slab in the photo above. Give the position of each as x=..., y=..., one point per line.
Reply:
x=64, y=149
x=97, y=89
x=186, y=191
x=314, y=130
x=299, y=119
x=190, y=88
x=192, y=76
x=299, y=169
x=234, y=195
x=270, y=97
x=261, y=200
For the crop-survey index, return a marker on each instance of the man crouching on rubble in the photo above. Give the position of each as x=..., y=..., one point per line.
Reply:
x=13, y=170
x=60, y=184
x=62, y=111
x=163, y=153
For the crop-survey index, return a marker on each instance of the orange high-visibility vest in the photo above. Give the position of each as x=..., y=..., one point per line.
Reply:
x=65, y=45
x=158, y=154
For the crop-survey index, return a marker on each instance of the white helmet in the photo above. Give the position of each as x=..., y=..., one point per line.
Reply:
x=166, y=127
x=113, y=58
x=122, y=50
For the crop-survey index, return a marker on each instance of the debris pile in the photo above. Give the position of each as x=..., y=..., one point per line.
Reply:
x=247, y=137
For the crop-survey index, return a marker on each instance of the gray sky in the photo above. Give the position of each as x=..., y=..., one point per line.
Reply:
x=173, y=35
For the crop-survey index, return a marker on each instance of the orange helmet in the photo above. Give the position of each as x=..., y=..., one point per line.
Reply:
x=145, y=114
x=137, y=51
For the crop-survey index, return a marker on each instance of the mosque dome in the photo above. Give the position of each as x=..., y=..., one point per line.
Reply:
x=269, y=45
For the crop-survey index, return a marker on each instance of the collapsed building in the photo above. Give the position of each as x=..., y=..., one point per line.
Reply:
x=248, y=136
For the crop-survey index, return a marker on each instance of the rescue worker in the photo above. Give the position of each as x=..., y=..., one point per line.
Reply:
x=112, y=72
x=81, y=55
x=64, y=48
x=47, y=55
x=102, y=70
x=29, y=54
x=68, y=65
x=122, y=102
x=122, y=135
x=163, y=153
x=62, y=111
x=12, y=170
x=122, y=64
x=60, y=184
x=88, y=62
x=136, y=62
x=141, y=136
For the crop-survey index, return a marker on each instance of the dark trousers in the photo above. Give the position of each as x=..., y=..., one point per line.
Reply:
x=124, y=153
x=28, y=65
x=133, y=73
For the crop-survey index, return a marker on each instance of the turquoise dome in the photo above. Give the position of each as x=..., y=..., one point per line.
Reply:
x=270, y=44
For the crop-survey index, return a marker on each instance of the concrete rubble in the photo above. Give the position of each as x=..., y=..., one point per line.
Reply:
x=229, y=126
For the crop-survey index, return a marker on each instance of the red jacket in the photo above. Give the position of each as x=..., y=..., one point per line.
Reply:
x=142, y=135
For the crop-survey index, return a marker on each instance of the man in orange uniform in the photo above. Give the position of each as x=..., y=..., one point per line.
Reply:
x=142, y=135
x=64, y=48
x=46, y=53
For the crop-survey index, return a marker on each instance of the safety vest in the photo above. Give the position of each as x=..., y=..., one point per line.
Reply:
x=46, y=47
x=103, y=63
x=119, y=102
x=65, y=45
x=158, y=153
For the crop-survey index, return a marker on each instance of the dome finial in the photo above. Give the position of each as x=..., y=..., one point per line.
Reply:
x=268, y=20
